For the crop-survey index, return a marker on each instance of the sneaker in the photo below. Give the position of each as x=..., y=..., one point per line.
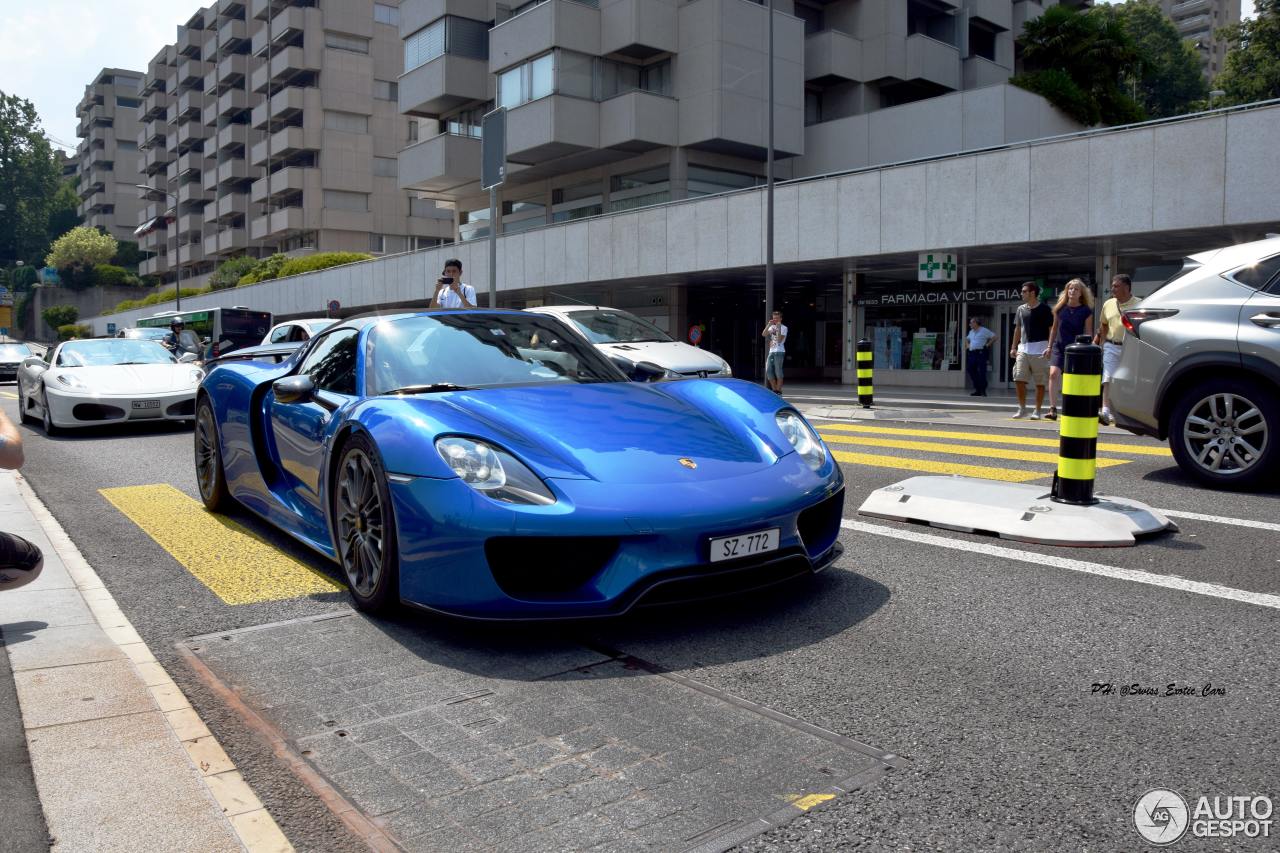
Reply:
x=1052, y=415
x=1104, y=418
x=20, y=561
x=1035, y=416
x=1021, y=413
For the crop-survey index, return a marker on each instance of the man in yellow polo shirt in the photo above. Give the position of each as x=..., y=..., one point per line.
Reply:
x=1111, y=335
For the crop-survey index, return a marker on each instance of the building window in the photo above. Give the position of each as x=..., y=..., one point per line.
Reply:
x=386, y=90
x=982, y=41
x=578, y=75
x=467, y=122
x=301, y=240
x=576, y=202
x=707, y=181
x=812, y=107
x=338, y=41
x=452, y=35
x=386, y=244
x=520, y=215
x=639, y=189
x=413, y=243
x=423, y=208
x=129, y=103
x=527, y=81
x=384, y=14
x=349, y=201
x=473, y=224
x=348, y=122
x=411, y=134
x=384, y=167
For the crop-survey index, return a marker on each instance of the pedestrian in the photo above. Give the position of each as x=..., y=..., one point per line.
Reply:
x=20, y=561
x=980, y=340
x=1030, y=348
x=1072, y=317
x=451, y=290
x=776, y=333
x=1111, y=336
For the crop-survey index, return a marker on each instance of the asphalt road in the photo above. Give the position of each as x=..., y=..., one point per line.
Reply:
x=978, y=668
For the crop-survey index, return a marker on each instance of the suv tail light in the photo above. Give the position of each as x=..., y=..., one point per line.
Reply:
x=1135, y=317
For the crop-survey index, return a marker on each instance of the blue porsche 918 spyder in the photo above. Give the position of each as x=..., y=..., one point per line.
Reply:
x=491, y=464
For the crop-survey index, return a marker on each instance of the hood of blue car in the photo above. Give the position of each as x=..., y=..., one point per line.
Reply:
x=621, y=432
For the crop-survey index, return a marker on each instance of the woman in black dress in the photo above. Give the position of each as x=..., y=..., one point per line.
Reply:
x=1072, y=316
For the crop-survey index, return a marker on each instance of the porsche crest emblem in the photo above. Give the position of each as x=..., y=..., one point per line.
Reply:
x=688, y=463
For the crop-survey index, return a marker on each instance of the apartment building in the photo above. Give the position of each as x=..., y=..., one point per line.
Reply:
x=107, y=155
x=273, y=126
x=614, y=104
x=1198, y=20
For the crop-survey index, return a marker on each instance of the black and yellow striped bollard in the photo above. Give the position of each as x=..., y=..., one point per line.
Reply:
x=865, y=359
x=1078, y=438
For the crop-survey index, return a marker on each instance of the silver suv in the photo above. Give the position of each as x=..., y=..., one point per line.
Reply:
x=1201, y=365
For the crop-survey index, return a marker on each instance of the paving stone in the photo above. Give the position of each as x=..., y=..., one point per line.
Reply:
x=539, y=754
x=427, y=774
x=453, y=839
x=374, y=791
x=386, y=748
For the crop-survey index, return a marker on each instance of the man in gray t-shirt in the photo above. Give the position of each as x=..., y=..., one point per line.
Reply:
x=1031, y=348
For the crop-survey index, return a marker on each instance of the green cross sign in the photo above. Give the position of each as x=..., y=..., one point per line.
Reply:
x=939, y=267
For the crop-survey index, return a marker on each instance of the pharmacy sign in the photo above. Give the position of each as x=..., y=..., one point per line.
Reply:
x=936, y=266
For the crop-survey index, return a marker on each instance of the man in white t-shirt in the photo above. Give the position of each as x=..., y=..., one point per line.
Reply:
x=776, y=333
x=451, y=290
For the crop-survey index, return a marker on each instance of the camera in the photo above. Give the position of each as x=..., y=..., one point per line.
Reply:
x=446, y=279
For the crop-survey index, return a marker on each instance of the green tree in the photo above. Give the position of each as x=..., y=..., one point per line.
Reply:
x=1079, y=61
x=127, y=255
x=60, y=315
x=29, y=178
x=266, y=269
x=1251, y=71
x=81, y=247
x=1168, y=80
x=230, y=271
x=63, y=215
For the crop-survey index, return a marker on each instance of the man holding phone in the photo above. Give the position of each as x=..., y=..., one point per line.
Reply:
x=451, y=290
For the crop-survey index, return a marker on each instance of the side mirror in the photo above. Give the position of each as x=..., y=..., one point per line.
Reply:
x=206, y=341
x=187, y=358
x=647, y=371
x=294, y=389
x=626, y=365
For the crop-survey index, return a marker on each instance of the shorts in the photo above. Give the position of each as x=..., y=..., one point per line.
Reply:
x=1110, y=359
x=773, y=365
x=1031, y=368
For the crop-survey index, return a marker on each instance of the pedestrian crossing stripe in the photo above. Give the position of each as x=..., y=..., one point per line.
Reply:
x=989, y=438
x=957, y=449
x=930, y=466
x=236, y=565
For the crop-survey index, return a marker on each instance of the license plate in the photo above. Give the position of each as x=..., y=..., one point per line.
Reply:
x=744, y=544
x=146, y=404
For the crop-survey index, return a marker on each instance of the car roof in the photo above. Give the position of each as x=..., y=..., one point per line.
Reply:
x=1229, y=257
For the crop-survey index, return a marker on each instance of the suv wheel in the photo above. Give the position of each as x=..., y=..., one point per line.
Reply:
x=1224, y=432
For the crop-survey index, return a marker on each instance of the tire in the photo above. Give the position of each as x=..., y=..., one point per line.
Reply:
x=365, y=528
x=211, y=479
x=1224, y=432
x=49, y=428
x=23, y=414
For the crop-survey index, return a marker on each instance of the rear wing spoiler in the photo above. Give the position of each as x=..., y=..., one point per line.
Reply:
x=274, y=353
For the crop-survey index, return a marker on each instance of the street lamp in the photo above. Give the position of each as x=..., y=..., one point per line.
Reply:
x=177, y=264
x=1216, y=93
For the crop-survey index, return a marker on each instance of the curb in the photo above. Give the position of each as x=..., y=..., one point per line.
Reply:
x=249, y=819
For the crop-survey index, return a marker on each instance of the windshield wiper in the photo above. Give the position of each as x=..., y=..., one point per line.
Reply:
x=429, y=389
x=122, y=363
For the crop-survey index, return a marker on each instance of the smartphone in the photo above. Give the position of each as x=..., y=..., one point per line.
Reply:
x=446, y=279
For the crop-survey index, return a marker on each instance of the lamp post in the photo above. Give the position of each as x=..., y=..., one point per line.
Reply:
x=177, y=264
x=1215, y=93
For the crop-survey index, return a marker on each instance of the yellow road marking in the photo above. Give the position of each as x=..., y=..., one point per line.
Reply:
x=960, y=449
x=1110, y=447
x=806, y=803
x=239, y=567
x=984, y=472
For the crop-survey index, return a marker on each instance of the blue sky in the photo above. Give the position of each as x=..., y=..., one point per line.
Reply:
x=54, y=48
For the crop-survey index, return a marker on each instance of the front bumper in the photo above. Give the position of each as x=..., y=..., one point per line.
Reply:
x=69, y=408
x=8, y=373
x=601, y=550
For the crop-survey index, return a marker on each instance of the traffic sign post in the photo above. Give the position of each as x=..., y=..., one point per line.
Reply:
x=493, y=172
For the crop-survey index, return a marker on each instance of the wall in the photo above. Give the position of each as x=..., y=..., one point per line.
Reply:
x=92, y=302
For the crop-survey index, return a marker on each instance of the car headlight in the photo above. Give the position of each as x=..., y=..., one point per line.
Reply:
x=725, y=369
x=71, y=382
x=492, y=471
x=802, y=438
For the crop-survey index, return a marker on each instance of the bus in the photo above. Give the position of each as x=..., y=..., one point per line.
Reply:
x=220, y=330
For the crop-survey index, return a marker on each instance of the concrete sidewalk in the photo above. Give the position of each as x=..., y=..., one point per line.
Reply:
x=120, y=760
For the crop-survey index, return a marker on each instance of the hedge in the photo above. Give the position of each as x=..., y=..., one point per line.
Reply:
x=324, y=260
x=72, y=330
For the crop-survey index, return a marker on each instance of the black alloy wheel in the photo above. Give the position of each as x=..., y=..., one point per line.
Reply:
x=210, y=475
x=365, y=527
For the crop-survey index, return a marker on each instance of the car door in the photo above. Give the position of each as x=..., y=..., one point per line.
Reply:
x=1260, y=322
x=31, y=374
x=299, y=429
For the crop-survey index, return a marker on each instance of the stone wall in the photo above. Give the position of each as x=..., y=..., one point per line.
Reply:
x=92, y=302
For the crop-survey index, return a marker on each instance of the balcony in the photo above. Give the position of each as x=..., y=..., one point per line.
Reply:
x=228, y=206
x=286, y=181
x=94, y=200
x=190, y=132
x=231, y=33
x=283, y=68
x=155, y=160
x=979, y=72
x=443, y=83
x=190, y=104
x=191, y=253
x=932, y=60
x=190, y=41
x=556, y=23
x=282, y=143
x=552, y=127
x=232, y=136
x=279, y=223
x=286, y=26
x=284, y=106
x=997, y=13
x=1189, y=7
x=831, y=56
x=416, y=14
x=193, y=191
x=191, y=73
x=638, y=28
x=232, y=171
x=440, y=164
x=1023, y=12
x=230, y=70
x=192, y=161
x=639, y=121
x=231, y=103
x=155, y=105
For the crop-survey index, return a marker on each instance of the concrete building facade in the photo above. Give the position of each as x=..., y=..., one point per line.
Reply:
x=274, y=126
x=107, y=155
x=1198, y=20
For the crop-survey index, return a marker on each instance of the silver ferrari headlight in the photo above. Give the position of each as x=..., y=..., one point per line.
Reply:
x=71, y=382
x=725, y=369
x=195, y=376
x=802, y=438
x=492, y=471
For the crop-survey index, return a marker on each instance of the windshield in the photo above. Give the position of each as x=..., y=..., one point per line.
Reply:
x=14, y=352
x=145, y=334
x=316, y=326
x=616, y=327
x=99, y=353
x=480, y=350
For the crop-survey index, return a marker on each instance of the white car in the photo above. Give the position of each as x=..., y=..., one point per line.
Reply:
x=621, y=335
x=297, y=330
x=106, y=380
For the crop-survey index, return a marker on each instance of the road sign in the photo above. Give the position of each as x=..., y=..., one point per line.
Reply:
x=111, y=328
x=6, y=295
x=334, y=306
x=493, y=149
